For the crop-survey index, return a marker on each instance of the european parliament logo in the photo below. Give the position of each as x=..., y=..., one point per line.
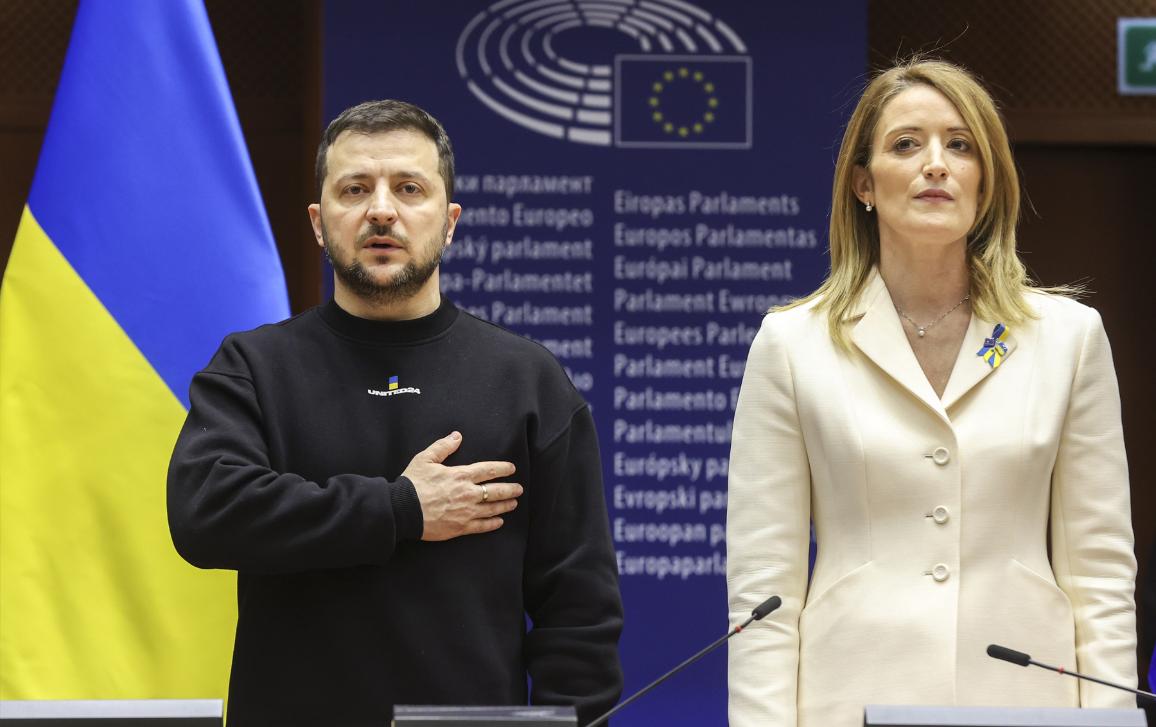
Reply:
x=655, y=73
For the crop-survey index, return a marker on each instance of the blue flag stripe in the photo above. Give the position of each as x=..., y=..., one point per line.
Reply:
x=145, y=185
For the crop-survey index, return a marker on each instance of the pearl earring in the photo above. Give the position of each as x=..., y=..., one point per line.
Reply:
x=870, y=207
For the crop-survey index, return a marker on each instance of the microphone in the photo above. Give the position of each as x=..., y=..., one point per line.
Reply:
x=1021, y=659
x=761, y=611
x=1018, y=658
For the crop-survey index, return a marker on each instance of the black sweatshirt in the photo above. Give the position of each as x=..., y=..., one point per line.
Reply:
x=288, y=470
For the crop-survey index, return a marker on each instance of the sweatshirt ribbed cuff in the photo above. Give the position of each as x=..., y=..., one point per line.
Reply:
x=407, y=515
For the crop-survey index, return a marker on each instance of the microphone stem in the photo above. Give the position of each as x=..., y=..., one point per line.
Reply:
x=717, y=643
x=1059, y=670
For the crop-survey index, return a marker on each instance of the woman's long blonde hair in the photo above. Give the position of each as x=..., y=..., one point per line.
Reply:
x=999, y=279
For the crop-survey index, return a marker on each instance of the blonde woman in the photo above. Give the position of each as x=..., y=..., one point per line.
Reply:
x=953, y=433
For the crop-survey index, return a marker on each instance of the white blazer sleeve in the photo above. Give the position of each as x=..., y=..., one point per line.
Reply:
x=768, y=536
x=1091, y=525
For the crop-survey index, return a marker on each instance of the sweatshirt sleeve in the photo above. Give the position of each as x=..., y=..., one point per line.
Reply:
x=228, y=508
x=571, y=577
x=1091, y=524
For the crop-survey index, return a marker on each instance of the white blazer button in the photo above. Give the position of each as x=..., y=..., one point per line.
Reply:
x=940, y=572
x=940, y=514
x=940, y=456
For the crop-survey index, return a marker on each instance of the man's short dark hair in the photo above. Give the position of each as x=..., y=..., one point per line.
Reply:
x=375, y=117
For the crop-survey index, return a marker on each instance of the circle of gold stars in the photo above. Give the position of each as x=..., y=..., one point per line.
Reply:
x=682, y=74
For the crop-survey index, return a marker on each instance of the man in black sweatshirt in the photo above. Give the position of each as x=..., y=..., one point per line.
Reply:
x=411, y=497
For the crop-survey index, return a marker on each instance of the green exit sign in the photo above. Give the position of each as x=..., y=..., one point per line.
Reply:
x=1137, y=55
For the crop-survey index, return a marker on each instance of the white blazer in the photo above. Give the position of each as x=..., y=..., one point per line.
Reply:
x=932, y=518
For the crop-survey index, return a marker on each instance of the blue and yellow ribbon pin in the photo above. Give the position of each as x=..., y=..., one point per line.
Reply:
x=994, y=348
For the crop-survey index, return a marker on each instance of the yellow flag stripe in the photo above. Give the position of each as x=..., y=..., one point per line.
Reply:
x=94, y=601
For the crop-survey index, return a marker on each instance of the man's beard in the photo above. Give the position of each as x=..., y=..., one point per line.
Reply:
x=405, y=284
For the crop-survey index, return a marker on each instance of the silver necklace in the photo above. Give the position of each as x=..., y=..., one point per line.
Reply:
x=921, y=330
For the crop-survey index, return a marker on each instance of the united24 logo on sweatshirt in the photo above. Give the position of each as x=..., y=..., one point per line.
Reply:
x=393, y=389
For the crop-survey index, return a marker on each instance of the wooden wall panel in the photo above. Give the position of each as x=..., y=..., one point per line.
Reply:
x=271, y=51
x=1050, y=63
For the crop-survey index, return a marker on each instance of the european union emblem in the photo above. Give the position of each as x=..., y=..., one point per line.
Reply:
x=683, y=101
x=392, y=383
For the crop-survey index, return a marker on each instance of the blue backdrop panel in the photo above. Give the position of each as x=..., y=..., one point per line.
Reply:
x=641, y=180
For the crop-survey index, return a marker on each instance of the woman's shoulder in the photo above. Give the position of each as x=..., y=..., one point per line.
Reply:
x=1052, y=307
x=796, y=317
x=1061, y=322
x=799, y=327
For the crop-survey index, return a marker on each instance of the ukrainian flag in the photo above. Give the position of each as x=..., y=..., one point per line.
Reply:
x=143, y=243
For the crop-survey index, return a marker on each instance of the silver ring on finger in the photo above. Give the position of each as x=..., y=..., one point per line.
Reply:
x=485, y=494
